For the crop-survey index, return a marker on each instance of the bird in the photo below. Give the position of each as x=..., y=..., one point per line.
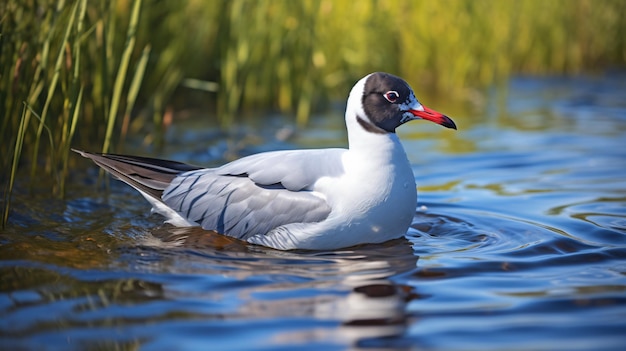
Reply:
x=309, y=199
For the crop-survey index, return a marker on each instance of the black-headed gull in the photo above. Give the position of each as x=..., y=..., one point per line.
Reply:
x=318, y=199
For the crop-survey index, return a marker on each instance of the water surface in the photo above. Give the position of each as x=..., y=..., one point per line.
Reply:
x=518, y=243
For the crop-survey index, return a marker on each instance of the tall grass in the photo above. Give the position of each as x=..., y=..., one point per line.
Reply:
x=51, y=53
x=80, y=72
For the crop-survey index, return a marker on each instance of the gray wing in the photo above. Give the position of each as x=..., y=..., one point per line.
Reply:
x=293, y=169
x=255, y=194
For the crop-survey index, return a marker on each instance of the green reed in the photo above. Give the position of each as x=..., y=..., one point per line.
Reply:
x=88, y=73
x=120, y=77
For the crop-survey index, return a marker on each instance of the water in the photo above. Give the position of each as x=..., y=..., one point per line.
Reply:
x=518, y=243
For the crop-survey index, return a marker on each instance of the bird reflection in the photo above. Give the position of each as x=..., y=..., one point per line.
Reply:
x=354, y=288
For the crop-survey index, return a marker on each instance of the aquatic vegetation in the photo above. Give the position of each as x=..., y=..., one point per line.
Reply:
x=81, y=72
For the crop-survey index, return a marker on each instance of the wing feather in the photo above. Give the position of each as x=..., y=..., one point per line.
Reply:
x=148, y=175
x=237, y=206
x=293, y=169
x=247, y=197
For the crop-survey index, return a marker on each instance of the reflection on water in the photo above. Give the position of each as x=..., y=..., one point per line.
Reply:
x=520, y=234
x=184, y=279
x=350, y=288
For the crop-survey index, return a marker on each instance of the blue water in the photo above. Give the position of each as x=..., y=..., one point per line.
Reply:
x=518, y=243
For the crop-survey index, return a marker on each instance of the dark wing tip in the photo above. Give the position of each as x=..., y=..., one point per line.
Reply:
x=80, y=152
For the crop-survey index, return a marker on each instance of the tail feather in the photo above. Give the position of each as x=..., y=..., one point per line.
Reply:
x=148, y=175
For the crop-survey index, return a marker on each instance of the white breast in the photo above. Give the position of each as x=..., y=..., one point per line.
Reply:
x=373, y=201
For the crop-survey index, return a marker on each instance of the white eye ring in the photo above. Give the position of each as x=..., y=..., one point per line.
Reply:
x=391, y=96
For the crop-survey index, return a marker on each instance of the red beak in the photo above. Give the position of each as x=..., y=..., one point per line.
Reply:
x=434, y=116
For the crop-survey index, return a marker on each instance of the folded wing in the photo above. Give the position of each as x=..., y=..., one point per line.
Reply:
x=255, y=194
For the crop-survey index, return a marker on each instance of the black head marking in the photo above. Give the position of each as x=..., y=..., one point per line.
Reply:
x=384, y=116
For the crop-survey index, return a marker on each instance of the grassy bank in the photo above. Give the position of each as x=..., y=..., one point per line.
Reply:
x=90, y=72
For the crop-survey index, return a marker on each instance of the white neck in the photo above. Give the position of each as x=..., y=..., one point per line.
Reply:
x=361, y=140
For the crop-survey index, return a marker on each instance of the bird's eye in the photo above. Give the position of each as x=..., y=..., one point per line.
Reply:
x=391, y=96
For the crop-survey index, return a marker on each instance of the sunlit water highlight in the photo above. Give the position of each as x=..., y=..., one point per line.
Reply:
x=518, y=243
